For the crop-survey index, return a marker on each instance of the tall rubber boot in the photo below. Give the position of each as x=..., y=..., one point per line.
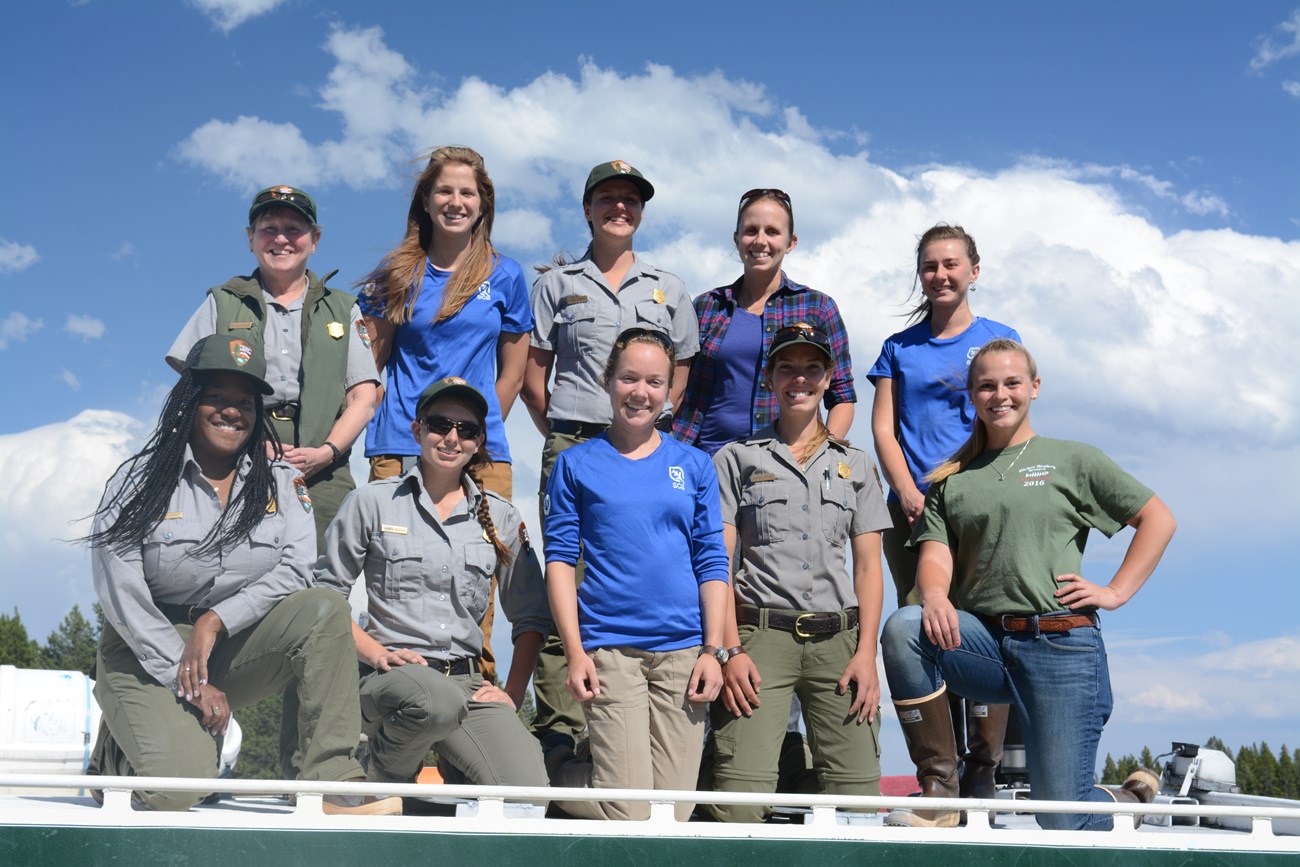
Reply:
x=986, y=727
x=927, y=728
x=1141, y=787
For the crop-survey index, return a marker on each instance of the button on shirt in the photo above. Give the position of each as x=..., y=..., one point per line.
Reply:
x=241, y=584
x=578, y=317
x=793, y=525
x=428, y=580
x=283, y=336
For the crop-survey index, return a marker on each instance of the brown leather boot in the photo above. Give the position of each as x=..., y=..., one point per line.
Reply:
x=986, y=727
x=1141, y=787
x=927, y=728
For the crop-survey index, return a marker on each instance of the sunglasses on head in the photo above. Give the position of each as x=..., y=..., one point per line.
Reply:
x=441, y=425
x=633, y=333
x=759, y=192
x=808, y=332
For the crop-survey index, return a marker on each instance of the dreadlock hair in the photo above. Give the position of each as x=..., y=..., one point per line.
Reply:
x=396, y=282
x=938, y=232
x=152, y=474
x=979, y=438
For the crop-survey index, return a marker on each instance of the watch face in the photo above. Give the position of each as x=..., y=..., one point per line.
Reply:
x=721, y=655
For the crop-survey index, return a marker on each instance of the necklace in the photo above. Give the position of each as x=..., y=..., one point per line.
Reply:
x=1003, y=474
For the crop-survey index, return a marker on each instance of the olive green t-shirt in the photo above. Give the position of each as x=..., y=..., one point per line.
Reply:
x=1010, y=538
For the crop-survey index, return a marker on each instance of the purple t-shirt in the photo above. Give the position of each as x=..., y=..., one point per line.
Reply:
x=736, y=372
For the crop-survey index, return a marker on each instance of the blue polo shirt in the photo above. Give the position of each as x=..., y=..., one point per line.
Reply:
x=464, y=345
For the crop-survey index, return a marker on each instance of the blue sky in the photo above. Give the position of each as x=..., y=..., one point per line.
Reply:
x=1129, y=170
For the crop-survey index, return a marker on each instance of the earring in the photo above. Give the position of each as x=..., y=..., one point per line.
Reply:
x=971, y=287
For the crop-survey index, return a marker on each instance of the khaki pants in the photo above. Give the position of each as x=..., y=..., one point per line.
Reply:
x=644, y=732
x=306, y=639
x=411, y=709
x=557, y=711
x=902, y=560
x=846, y=755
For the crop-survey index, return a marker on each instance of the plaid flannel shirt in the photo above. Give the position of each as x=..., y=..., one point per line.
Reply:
x=790, y=304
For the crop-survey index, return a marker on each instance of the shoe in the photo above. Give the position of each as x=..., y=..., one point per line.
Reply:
x=927, y=728
x=1141, y=787
x=361, y=805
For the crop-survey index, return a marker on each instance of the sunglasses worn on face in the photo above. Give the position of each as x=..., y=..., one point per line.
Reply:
x=658, y=336
x=441, y=425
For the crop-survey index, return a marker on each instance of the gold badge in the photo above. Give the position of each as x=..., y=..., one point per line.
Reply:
x=844, y=470
x=270, y=505
x=173, y=516
x=335, y=330
x=659, y=296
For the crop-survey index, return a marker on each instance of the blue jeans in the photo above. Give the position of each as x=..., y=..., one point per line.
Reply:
x=1058, y=683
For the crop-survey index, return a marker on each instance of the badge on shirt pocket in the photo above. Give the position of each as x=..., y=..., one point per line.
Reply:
x=335, y=330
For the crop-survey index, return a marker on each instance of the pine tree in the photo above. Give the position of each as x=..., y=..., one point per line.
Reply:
x=1147, y=760
x=15, y=647
x=1110, y=772
x=1127, y=765
x=1286, y=775
x=1214, y=743
x=1266, y=772
x=1246, y=780
x=71, y=647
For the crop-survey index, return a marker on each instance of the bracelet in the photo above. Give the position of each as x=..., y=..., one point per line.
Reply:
x=735, y=651
x=338, y=455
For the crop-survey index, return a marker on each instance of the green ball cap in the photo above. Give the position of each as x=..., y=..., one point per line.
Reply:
x=618, y=170
x=453, y=387
x=234, y=354
x=284, y=197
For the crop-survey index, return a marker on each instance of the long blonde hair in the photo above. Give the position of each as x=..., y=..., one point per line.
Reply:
x=396, y=282
x=979, y=438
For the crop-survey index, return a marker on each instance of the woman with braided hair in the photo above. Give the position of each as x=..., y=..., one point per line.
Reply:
x=201, y=548
x=429, y=543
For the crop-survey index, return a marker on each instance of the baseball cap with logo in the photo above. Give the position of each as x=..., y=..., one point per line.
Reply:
x=285, y=197
x=801, y=333
x=233, y=354
x=618, y=170
x=453, y=386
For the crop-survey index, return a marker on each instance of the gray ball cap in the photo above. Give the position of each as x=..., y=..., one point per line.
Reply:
x=233, y=354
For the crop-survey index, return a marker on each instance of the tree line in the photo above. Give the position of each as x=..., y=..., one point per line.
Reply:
x=1259, y=770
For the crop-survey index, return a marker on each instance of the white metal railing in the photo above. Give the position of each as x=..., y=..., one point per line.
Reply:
x=825, y=821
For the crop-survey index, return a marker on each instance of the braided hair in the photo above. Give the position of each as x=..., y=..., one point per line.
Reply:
x=477, y=465
x=152, y=475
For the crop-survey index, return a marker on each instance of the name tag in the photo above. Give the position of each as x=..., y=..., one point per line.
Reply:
x=762, y=477
x=572, y=299
x=173, y=516
x=393, y=528
x=239, y=326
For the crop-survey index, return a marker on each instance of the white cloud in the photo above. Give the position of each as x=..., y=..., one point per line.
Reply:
x=16, y=257
x=1271, y=51
x=17, y=327
x=522, y=229
x=54, y=476
x=229, y=14
x=68, y=378
x=1292, y=88
x=85, y=327
x=125, y=251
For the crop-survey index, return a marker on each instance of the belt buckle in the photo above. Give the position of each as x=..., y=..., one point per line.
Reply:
x=798, y=628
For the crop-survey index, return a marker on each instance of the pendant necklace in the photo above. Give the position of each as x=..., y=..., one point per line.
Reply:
x=1003, y=475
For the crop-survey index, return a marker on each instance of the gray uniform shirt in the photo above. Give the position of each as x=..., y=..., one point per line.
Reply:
x=578, y=317
x=792, y=524
x=283, y=336
x=427, y=580
x=241, y=585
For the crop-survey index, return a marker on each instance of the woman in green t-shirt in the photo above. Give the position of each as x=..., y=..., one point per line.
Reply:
x=1005, y=615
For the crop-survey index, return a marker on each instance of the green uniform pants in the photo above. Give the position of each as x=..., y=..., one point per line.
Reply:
x=846, y=754
x=412, y=708
x=557, y=711
x=902, y=560
x=305, y=639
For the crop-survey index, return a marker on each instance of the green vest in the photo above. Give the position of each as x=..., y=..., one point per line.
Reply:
x=324, y=366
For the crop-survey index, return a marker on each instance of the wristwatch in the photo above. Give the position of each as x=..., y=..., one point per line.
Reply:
x=716, y=652
x=733, y=652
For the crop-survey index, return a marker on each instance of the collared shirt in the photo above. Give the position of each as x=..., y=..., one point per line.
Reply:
x=578, y=317
x=428, y=580
x=791, y=303
x=283, y=334
x=793, y=524
x=241, y=585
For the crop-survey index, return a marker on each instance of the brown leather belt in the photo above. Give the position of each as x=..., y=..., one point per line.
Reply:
x=805, y=625
x=181, y=614
x=1046, y=622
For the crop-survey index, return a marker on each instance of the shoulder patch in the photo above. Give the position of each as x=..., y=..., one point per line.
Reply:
x=363, y=334
x=523, y=535
x=300, y=489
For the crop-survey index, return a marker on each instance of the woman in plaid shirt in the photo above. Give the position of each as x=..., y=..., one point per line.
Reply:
x=726, y=399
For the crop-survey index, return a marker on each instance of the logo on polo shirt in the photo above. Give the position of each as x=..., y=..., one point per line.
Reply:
x=678, y=477
x=485, y=290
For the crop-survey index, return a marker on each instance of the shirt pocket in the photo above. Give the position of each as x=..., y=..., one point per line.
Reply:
x=403, y=560
x=264, y=547
x=474, y=582
x=652, y=315
x=578, y=326
x=837, y=511
x=764, y=513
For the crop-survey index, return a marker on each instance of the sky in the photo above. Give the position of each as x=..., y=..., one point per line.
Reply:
x=1129, y=171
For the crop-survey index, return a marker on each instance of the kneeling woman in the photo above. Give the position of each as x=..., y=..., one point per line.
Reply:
x=429, y=543
x=1005, y=615
x=643, y=510
x=201, y=550
x=798, y=500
